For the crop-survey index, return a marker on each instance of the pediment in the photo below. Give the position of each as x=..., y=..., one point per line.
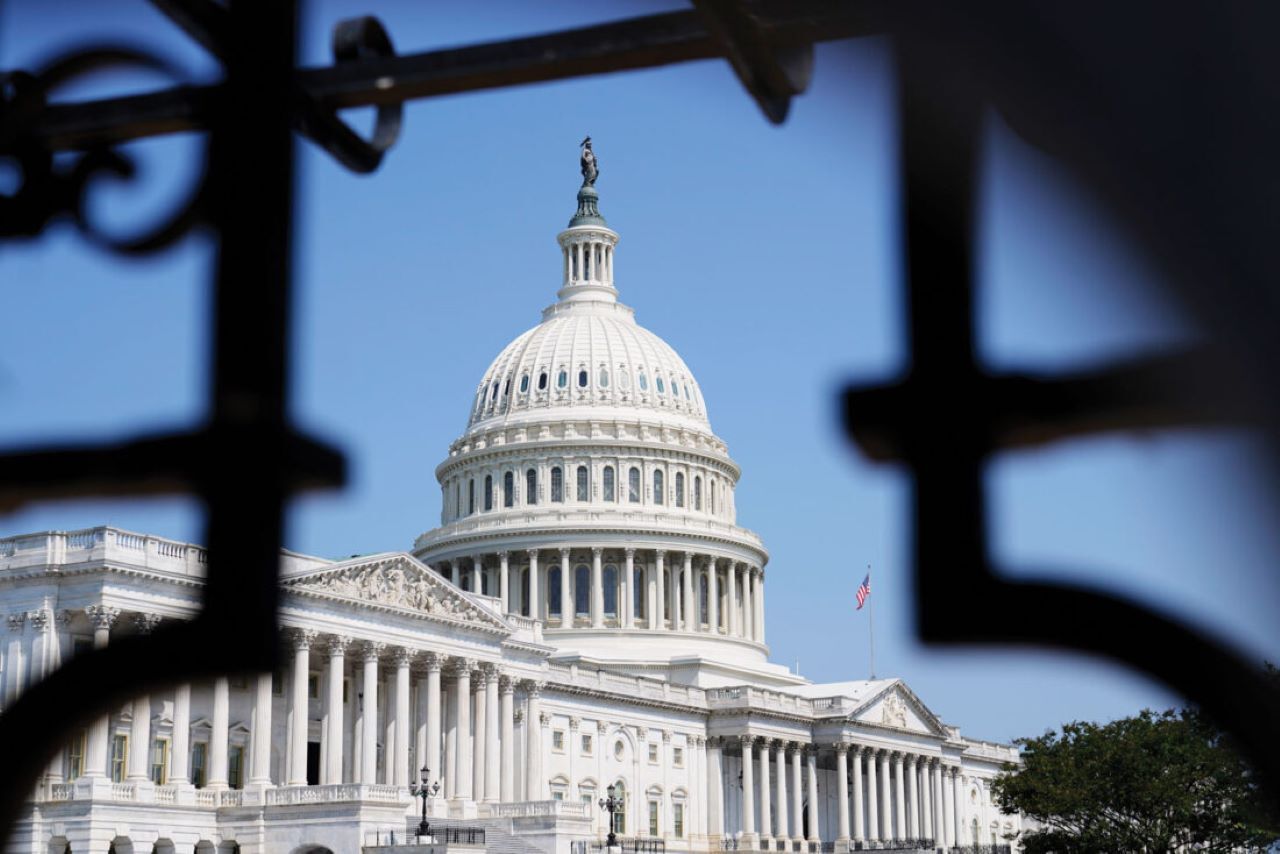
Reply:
x=898, y=707
x=397, y=581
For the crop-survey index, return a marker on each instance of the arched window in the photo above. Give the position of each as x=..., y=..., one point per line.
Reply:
x=524, y=383
x=704, y=599
x=604, y=378
x=471, y=496
x=633, y=485
x=584, y=484
x=553, y=592
x=557, y=484
x=675, y=388
x=562, y=379
x=638, y=599
x=697, y=493
x=508, y=490
x=658, y=497
x=643, y=381
x=711, y=494
x=661, y=388
x=531, y=486
x=457, y=499
x=608, y=483
x=687, y=396
x=542, y=381
x=582, y=590
x=610, y=590
x=582, y=378
x=679, y=489
x=488, y=492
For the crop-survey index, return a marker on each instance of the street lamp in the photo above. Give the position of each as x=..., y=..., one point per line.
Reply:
x=610, y=805
x=424, y=790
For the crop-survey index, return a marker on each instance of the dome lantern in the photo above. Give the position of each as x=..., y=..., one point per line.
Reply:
x=587, y=244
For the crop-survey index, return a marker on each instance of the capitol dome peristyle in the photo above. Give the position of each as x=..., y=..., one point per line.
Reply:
x=589, y=492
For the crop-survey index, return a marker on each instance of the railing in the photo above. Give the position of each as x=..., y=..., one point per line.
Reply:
x=124, y=792
x=62, y=791
x=981, y=849
x=524, y=809
x=166, y=794
x=923, y=843
x=206, y=798
x=447, y=835
x=335, y=793
x=636, y=845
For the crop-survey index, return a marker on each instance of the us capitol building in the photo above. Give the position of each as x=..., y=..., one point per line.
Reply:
x=588, y=614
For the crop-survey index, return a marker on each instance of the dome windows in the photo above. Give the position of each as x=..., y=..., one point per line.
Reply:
x=610, y=590
x=624, y=378
x=531, y=486
x=562, y=379
x=697, y=493
x=608, y=483
x=542, y=381
x=633, y=485
x=524, y=382
x=488, y=492
x=557, y=485
x=662, y=389
x=471, y=496
x=675, y=388
x=584, y=484
x=643, y=382
x=508, y=490
x=582, y=378
x=679, y=489
x=603, y=380
x=658, y=490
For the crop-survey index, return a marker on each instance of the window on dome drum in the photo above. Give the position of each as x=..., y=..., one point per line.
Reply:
x=661, y=388
x=643, y=382
x=524, y=592
x=471, y=496
x=553, y=592
x=531, y=486
x=493, y=397
x=711, y=496
x=584, y=484
x=582, y=379
x=675, y=388
x=658, y=497
x=581, y=590
x=704, y=600
x=524, y=383
x=687, y=396
x=562, y=379
x=633, y=485
x=488, y=492
x=542, y=381
x=638, y=599
x=679, y=489
x=697, y=493
x=611, y=590
x=457, y=499
x=608, y=483
x=557, y=484
x=604, y=378
x=506, y=388
x=624, y=378
x=508, y=490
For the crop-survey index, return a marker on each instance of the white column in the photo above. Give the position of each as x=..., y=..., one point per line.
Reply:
x=178, y=756
x=731, y=596
x=913, y=799
x=492, y=747
x=948, y=806
x=886, y=798
x=658, y=612
x=758, y=599
x=859, y=805
x=811, y=760
x=597, y=589
x=534, y=787
x=504, y=582
x=299, y=701
x=939, y=808
x=535, y=609
x=926, y=800
x=400, y=762
x=655, y=617
x=369, y=732
x=566, y=590
x=899, y=800
x=766, y=795
x=780, y=763
x=713, y=597
x=420, y=755
x=797, y=795
x=714, y=788
x=140, y=728
x=95, y=764
x=748, y=793
x=506, y=690
x=748, y=608
x=690, y=608
x=218, y=736
x=477, y=565
x=842, y=793
x=480, y=738
x=432, y=760
x=462, y=706
x=628, y=605
x=957, y=800
x=873, y=798
x=260, y=773
x=333, y=712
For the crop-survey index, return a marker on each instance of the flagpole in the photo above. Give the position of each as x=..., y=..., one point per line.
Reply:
x=871, y=629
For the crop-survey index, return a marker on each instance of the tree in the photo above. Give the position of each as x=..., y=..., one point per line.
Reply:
x=1152, y=783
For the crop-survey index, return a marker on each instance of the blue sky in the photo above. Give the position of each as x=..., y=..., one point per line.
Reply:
x=766, y=256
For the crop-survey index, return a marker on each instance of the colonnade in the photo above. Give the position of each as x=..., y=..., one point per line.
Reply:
x=897, y=795
x=652, y=589
x=587, y=261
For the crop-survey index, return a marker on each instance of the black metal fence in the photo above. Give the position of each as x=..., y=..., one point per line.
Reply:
x=981, y=849
x=628, y=845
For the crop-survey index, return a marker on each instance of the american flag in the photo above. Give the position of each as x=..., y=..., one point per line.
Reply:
x=864, y=590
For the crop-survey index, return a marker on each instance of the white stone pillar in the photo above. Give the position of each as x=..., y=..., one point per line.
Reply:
x=504, y=581
x=690, y=608
x=420, y=755
x=714, y=789
x=567, y=604
x=957, y=808
x=535, y=608
x=859, y=803
x=759, y=603
x=597, y=589
x=731, y=598
x=492, y=747
x=179, y=772
x=797, y=795
x=628, y=606
x=926, y=800
x=399, y=764
x=480, y=735
x=260, y=772
x=95, y=763
x=873, y=798
x=299, y=696
x=766, y=796
x=948, y=806
x=939, y=808
x=713, y=597
x=748, y=608
x=842, y=794
x=913, y=799
x=811, y=760
x=748, y=793
x=886, y=797
x=462, y=713
x=780, y=763
x=337, y=647
x=659, y=619
x=477, y=567
x=432, y=760
x=534, y=788
x=651, y=599
x=369, y=732
x=140, y=728
x=507, y=690
x=899, y=800
x=218, y=735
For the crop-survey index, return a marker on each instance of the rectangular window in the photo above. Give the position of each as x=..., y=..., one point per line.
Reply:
x=557, y=795
x=587, y=742
x=557, y=740
x=677, y=757
x=119, y=758
x=653, y=754
x=557, y=484
x=508, y=490
x=677, y=820
x=608, y=483
x=75, y=755
x=199, y=764
x=584, y=486
x=653, y=818
x=160, y=761
x=633, y=485
x=235, y=766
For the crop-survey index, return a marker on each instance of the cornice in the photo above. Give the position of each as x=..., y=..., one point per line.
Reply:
x=542, y=536
x=565, y=446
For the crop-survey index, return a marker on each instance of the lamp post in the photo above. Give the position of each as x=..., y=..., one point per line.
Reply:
x=424, y=790
x=610, y=805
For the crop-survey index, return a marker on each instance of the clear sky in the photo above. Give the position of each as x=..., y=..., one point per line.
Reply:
x=766, y=256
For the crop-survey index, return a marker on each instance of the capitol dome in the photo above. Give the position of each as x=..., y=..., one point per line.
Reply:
x=589, y=493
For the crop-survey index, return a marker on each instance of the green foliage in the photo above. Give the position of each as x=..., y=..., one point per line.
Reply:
x=1151, y=783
